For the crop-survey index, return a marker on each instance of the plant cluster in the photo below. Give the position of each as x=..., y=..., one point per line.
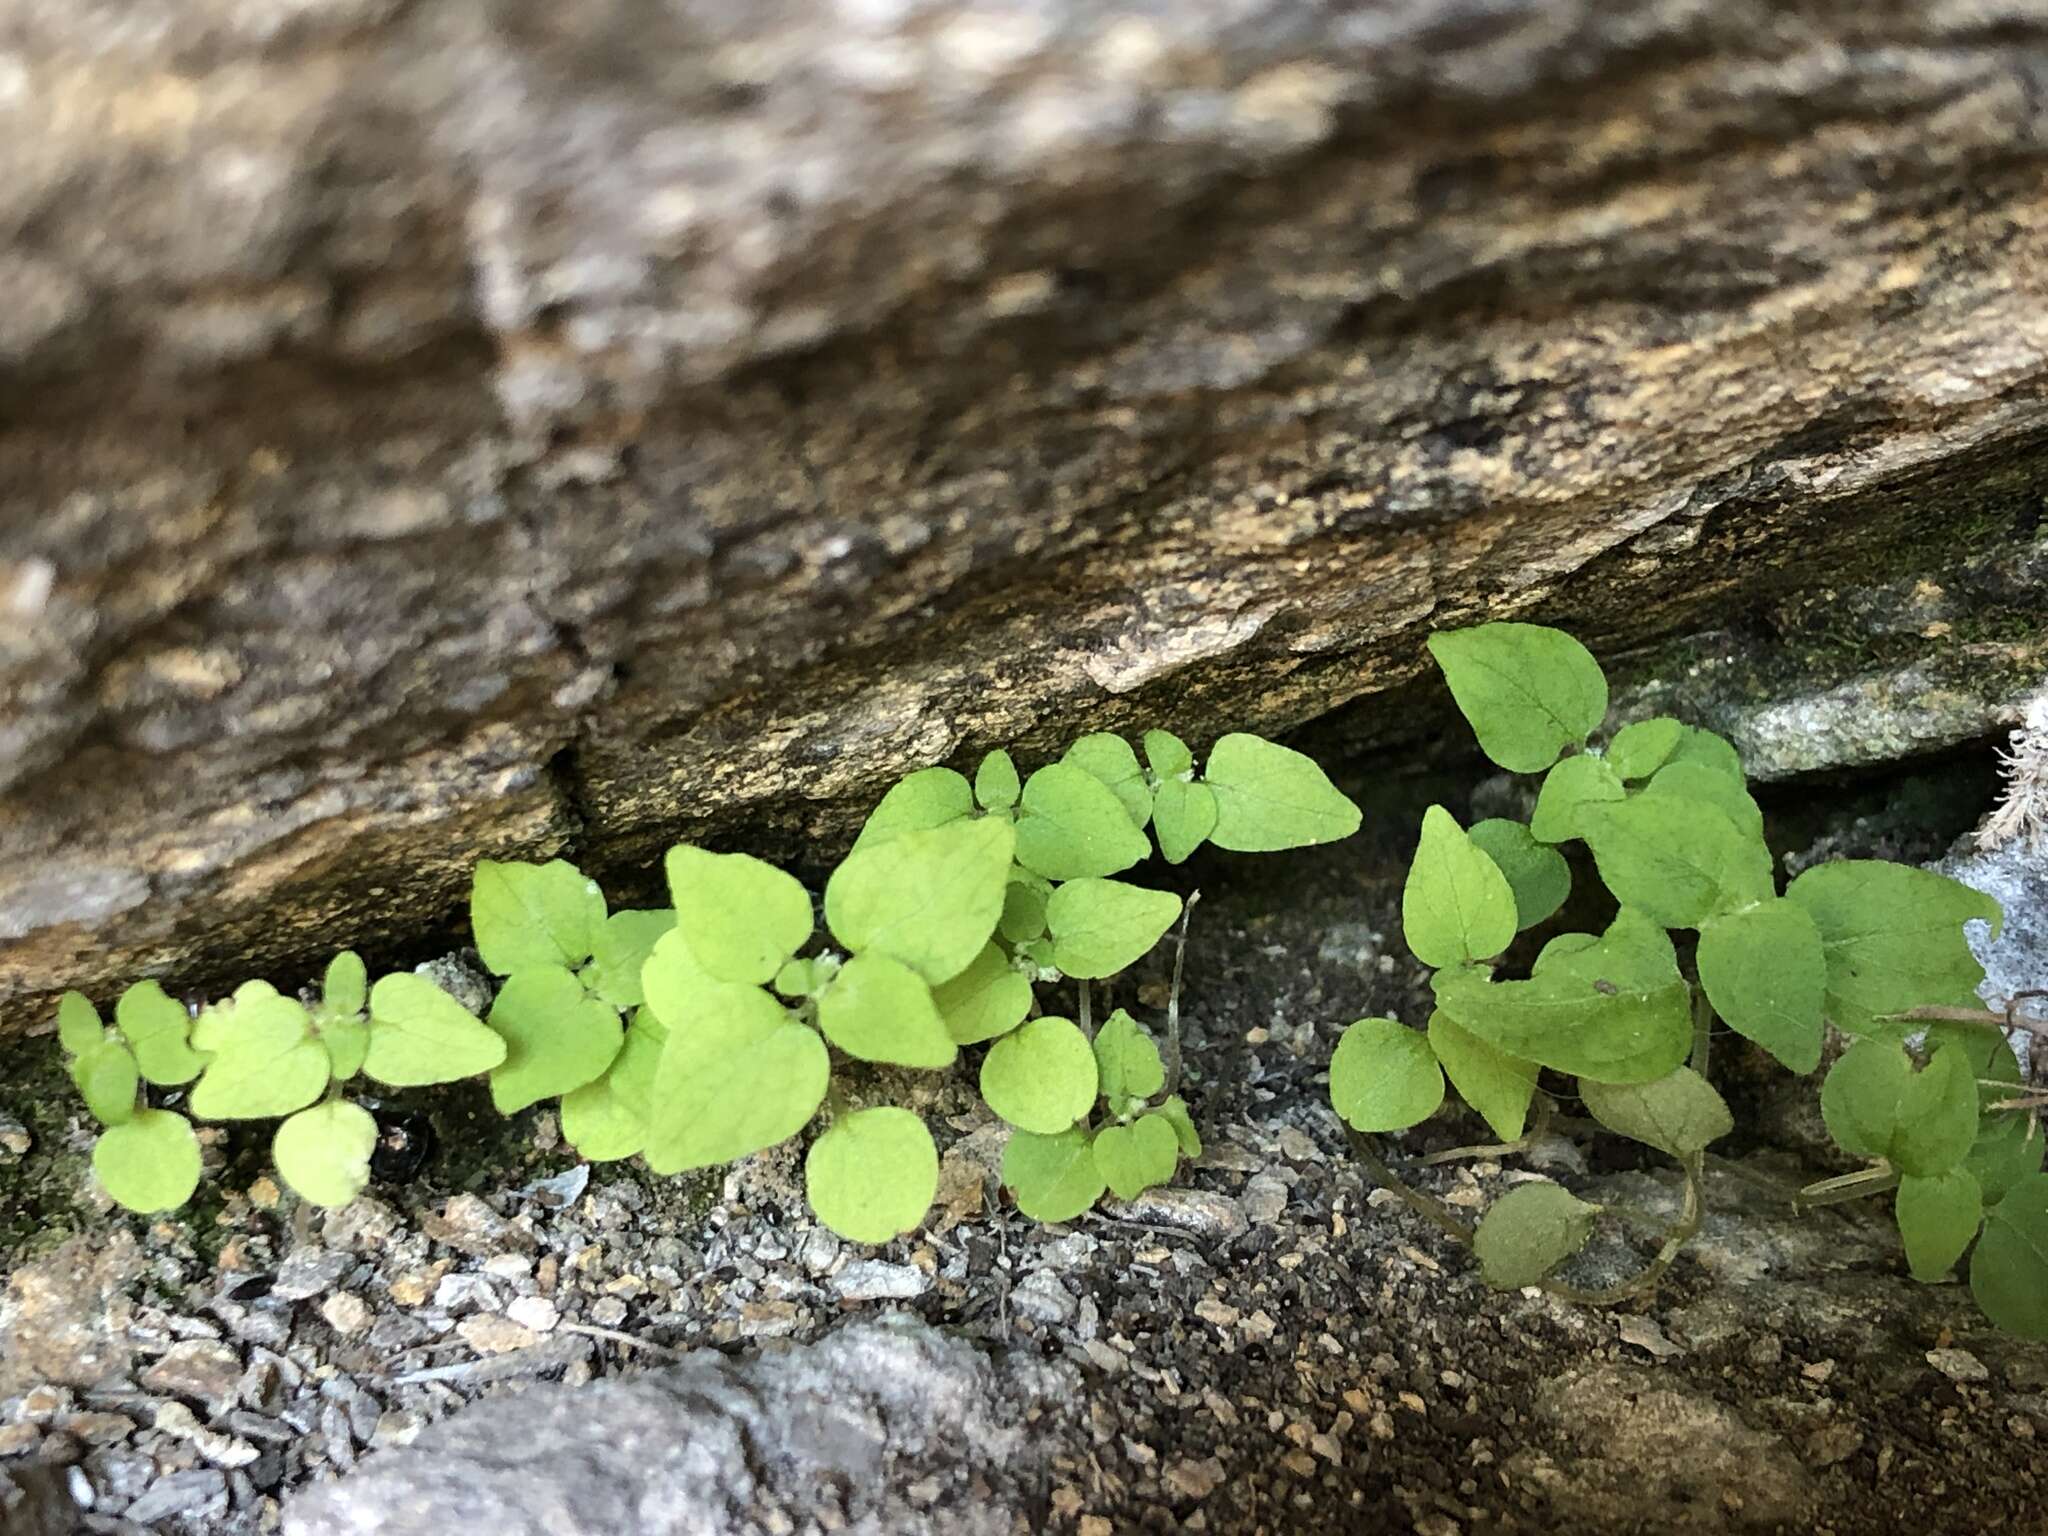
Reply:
x=1925, y=1093
x=709, y=1030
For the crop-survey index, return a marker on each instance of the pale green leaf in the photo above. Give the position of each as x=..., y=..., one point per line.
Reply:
x=930, y=899
x=106, y=1079
x=1538, y=875
x=1136, y=1157
x=268, y=1062
x=1937, y=1219
x=873, y=1175
x=1679, y=1113
x=737, y=1074
x=1384, y=1077
x=879, y=1009
x=557, y=1037
x=533, y=914
x=346, y=987
x=990, y=998
x=1100, y=927
x=931, y=797
x=1167, y=755
x=1639, y=750
x=1568, y=788
x=1074, y=825
x=1498, y=1086
x=1766, y=974
x=1677, y=861
x=1024, y=902
x=1893, y=935
x=1126, y=1061
x=78, y=1023
x=148, y=1163
x=1528, y=1232
x=1041, y=1076
x=802, y=978
x=1528, y=691
x=1876, y=1105
x=1183, y=815
x=996, y=785
x=623, y=945
x=1457, y=905
x=1175, y=1112
x=1110, y=758
x=323, y=1153
x=741, y=917
x=1270, y=797
x=1695, y=780
x=607, y=1120
x=158, y=1030
x=419, y=1035
x=2009, y=1270
x=347, y=1043
x=1053, y=1178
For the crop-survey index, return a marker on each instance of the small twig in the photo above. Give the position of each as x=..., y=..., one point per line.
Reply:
x=1180, y=955
x=1878, y=1179
x=1496, y=1149
x=615, y=1336
x=1987, y=1019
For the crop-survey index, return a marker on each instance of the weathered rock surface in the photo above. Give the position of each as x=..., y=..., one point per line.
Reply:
x=891, y=1426
x=452, y=430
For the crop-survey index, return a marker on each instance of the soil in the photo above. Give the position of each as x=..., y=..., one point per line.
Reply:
x=1272, y=1346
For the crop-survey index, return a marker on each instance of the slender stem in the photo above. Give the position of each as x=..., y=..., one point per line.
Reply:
x=1702, y=1029
x=1180, y=955
x=1432, y=1211
x=2009, y=1018
x=1460, y=1154
x=1878, y=1179
x=1087, y=1010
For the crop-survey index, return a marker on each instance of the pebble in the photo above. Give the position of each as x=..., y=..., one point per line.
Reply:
x=308, y=1272
x=535, y=1312
x=1958, y=1365
x=1041, y=1297
x=223, y=1450
x=196, y=1368
x=200, y=1493
x=1265, y=1199
x=347, y=1313
x=1200, y=1211
x=15, y=1140
x=492, y=1333
x=608, y=1311
x=458, y=1294
x=1194, y=1480
x=39, y=1405
x=874, y=1280
x=19, y=1439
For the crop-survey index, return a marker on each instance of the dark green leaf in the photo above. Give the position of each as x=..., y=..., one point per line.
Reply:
x=1529, y=692
x=1894, y=940
x=1679, y=1113
x=1528, y=1232
x=1937, y=1219
x=1766, y=974
x=1639, y=750
x=2009, y=1271
x=1539, y=876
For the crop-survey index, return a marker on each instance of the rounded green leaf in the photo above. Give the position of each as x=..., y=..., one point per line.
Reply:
x=931, y=797
x=419, y=1035
x=1937, y=1219
x=1528, y=1232
x=1270, y=797
x=1024, y=902
x=741, y=917
x=800, y=978
x=1639, y=750
x=533, y=914
x=1498, y=1086
x=1137, y=1157
x=1110, y=758
x=1127, y=1063
x=873, y=1175
x=324, y=1152
x=1680, y=1113
x=990, y=998
x=1167, y=755
x=1893, y=936
x=1041, y=1076
x=1053, y=1178
x=1100, y=927
x=996, y=785
x=1766, y=974
x=879, y=1009
x=267, y=1062
x=607, y=1120
x=78, y=1023
x=1677, y=861
x=623, y=945
x=1538, y=875
x=1708, y=751
x=1175, y=1112
x=1183, y=816
x=1568, y=788
x=347, y=1043
x=1876, y=1106
x=737, y=1074
x=149, y=1163
x=1457, y=905
x=2009, y=1270
x=1695, y=780
x=1384, y=1077
x=557, y=1037
x=930, y=899
x=1073, y=825
x=106, y=1079
x=1528, y=691
x=158, y=1030
x=346, y=987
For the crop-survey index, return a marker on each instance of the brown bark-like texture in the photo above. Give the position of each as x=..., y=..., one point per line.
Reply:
x=436, y=431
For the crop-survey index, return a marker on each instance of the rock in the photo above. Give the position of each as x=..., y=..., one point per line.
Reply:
x=197, y=1368
x=347, y=1314
x=1958, y=1365
x=309, y=1271
x=1200, y=1211
x=198, y=1495
x=658, y=420
x=62, y=1315
x=492, y=1333
x=838, y=1430
x=874, y=1280
x=536, y=1313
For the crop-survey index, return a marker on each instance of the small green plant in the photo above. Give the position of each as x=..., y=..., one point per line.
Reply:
x=711, y=1029
x=1926, y=1091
